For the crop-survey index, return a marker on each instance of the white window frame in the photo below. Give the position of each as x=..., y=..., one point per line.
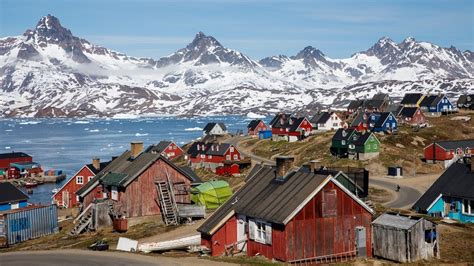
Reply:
x=231, y=149
x=209, y=156
x=114, y=193
x=236, y=157
x=260, y=232
x=79, y=180
x=470, y=209
x=90, y=178
x=227, y=157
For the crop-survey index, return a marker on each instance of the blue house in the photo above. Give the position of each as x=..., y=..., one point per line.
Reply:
x=436, y=105
x=451, y=195
x=11, y=197
x=383, y=122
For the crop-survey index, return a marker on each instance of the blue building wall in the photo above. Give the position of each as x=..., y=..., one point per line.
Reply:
x=390, y=123
x=458, y=215
x=265, y=134
x=444, y=104
x=8, y=206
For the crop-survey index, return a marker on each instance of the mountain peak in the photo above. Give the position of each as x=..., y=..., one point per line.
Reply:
x=310, y=52
x=201, y=41
x=409, y=40
x=49, y=22
x=49, y=30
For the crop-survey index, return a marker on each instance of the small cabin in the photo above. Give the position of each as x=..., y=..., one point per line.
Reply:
x=255, y=127
x=11, y=197
x=404, y=239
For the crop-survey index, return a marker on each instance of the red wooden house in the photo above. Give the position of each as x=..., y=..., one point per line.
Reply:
x=228, y=169
x=211, y=155
x=166, y=148
x=129, y=182
x=66, y=196
x=441, y=151
x=412, y=116
x=291, y=216
x=256, y=126
x=289, y=128
x=13, y=157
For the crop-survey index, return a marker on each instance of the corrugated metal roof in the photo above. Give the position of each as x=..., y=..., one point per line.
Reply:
x=396, y=221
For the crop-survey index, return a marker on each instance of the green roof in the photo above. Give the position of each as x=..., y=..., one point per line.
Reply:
x=113, y=179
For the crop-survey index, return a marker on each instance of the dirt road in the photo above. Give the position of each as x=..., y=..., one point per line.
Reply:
x=85, y=257
x=247, y=153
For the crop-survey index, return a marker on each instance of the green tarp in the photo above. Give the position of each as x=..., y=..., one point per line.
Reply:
x=211, y=194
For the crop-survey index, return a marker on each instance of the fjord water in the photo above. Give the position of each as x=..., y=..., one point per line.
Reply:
x=68, y=144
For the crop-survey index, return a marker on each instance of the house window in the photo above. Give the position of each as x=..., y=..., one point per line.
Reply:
x=231, y=149
x=79, y=180
x=260, y=231
x=468, y=206
x=227, y=157
x=343, y=142
x=236, y=157
x=90, y=178
x=114, y=194
x=203, y=156
x=209, y=156
x=375, y=146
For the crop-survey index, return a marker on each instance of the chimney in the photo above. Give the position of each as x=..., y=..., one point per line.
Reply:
x=136, y=147
x=314, y=165
x=283, y=165
x=96, y=163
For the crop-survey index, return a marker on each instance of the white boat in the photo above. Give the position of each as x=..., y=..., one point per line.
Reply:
x=54, y=191
x=182, y=243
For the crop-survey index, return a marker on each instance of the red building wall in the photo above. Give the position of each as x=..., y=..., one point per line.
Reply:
x=225, y=235
x=309, y=234
x=173, y=151
x=217, y=159
x=260, y=127
x=438, y=153
x=5, y=163
x=72, y=187
x=140, y=197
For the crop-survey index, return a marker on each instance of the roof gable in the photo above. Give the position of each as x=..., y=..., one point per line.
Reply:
x=411, y=98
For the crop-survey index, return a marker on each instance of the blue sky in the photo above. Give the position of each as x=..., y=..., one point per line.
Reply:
x=257, y=28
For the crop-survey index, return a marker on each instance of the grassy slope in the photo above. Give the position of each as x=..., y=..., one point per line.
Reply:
x=405, y=148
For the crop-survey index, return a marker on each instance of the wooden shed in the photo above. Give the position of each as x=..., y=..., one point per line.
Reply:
x=404, y=238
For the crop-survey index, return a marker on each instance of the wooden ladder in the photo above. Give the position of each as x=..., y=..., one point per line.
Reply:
x=169, y=208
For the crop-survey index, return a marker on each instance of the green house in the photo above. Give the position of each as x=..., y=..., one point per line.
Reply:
x=363, y=146
x=340, y=142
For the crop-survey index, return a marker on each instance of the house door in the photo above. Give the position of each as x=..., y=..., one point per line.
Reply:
x=241, y=233
x=65, y=199
x=361, y=243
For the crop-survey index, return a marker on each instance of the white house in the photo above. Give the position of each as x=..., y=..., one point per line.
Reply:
x=215, y=129
x=325, y=121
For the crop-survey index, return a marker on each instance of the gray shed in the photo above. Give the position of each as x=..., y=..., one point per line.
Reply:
x=404, y=238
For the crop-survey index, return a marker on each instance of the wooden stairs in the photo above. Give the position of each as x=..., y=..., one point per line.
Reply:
x=83, y=222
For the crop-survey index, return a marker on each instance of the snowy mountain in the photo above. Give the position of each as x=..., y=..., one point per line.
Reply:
x=48, y=71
